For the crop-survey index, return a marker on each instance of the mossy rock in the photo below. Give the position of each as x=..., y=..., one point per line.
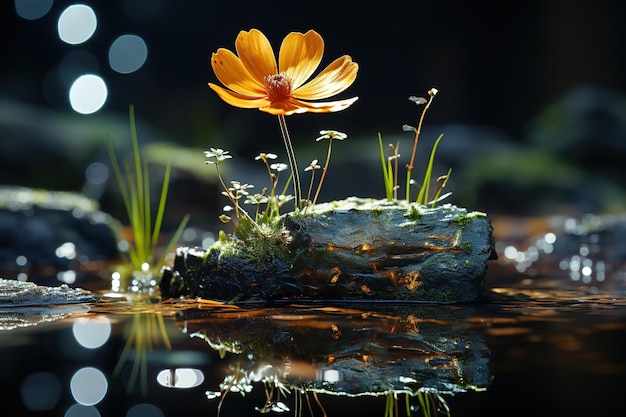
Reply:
x=349, y=249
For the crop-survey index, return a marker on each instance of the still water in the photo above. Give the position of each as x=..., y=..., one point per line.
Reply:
x=545, y=341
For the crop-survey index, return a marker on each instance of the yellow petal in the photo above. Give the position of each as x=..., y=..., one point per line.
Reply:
x=325, y=106
x=293, y=106
x=300, y=55
x=231, y=72
x=282, y=107
x=256, y=54
x=335, y=78
x=239, y=100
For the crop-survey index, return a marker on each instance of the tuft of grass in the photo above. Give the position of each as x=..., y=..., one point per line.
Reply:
x=390, y=163
x=422, y=196
x=134, y=182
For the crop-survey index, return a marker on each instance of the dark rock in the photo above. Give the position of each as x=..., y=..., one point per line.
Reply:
x=15, y=293
x=36, y=224
x=350, y=249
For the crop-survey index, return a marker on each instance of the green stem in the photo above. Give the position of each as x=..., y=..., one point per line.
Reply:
x=319, y=186
x=308, y=195
x=292, y=160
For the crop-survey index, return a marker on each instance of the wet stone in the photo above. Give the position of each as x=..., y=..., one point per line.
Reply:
x=52, y=229
x=15, y=293
x=351, y=249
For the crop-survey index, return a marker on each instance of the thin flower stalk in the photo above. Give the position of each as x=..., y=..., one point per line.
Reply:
x=394, y=158
x=409, y=168
x=265, y=157
x=330, y=135
x=220, y=156
x=313, y=166
x=297, y=188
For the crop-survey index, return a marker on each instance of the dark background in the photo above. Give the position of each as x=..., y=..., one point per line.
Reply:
x=498, y=66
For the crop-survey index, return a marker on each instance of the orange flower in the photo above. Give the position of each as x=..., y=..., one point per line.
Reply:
x=253, y=80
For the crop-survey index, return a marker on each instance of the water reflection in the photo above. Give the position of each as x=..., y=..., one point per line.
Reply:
x=316, y=360
x=180, y=378
x=384, y=351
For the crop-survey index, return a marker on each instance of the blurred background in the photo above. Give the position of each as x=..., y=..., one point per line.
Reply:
x=531, y=97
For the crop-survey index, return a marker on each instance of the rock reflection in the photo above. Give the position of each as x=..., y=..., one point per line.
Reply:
x=388, y=350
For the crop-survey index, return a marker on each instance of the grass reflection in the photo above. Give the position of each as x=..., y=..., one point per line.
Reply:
x=146, y=331
x=431, y=404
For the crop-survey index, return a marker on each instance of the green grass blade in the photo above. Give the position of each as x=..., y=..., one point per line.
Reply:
x=422, y=197
x=147, y=216
x=135, y=219
x=137, y=155
x=441, y=187
x=120, y=179
x=387, y=177
x=158, y=221
x=408, y=186
x=175, y=237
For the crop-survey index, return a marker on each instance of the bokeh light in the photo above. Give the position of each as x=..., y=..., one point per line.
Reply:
x=79, y=410
x=145, y=410
x=96, y=173
x=92, y=333
x=88, y=94
x=67, y=277
x=127, y=54
x=88, y=386
x=41, y=391
x=32, y=9
x=77, y=24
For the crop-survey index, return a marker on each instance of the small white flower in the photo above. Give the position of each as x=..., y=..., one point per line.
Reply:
x=418, y=100
x=265, y=156
x=256, y=199
x=331, y=134
x=279, y=167
x=313, y=165
x=239, y=188
x=220, y=155
x=283, y=198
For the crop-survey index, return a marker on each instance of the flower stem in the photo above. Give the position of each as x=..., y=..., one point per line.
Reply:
x=308, y=196
x=409, y=167
x=319, y=186
x=292, y=160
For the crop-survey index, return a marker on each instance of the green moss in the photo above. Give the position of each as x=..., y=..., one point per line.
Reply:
x=376, y=212
x=466, y=247
x=414, y=213
x=466, y=218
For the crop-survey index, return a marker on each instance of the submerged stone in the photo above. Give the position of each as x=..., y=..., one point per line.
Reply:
x=349, y=249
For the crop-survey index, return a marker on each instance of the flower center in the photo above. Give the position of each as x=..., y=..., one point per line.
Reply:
x=278, y=86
